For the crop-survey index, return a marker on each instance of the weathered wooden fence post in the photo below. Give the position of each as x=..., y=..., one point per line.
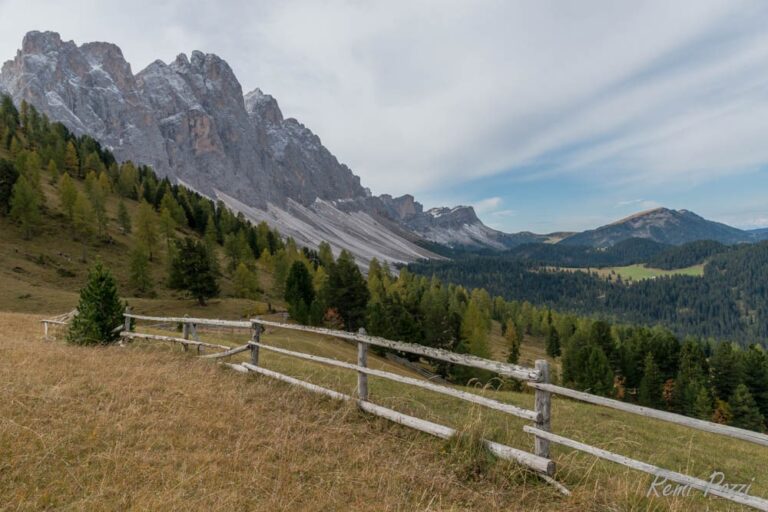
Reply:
x=255, y=338
x=127, y=324
x=362, y=360
x=543, y=406
x=185, y=334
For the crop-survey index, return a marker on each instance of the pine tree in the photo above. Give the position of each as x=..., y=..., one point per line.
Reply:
x=347, y=291
x=745, y=412
x=649, y=393
x=245, y=282
x=25, y=207
x=513, y=342
x=299, y=292
x=123, y=218
x=725, y=370
x=99, y=311
x=139, y=278
x=690, y=377
x=597, y=377
x=146, y=227
x=193, y=270
x=67, y=195
x=8, y=177
x=553, y=342
x=702, y=406
x=755, y=370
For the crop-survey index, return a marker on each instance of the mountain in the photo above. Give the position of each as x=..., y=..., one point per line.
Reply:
x=758, y=235
x=192, y=123
x=674, y=227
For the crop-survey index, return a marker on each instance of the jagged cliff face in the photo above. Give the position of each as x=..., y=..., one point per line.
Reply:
x=187, y=119
x=91, y=89
x=190, y=121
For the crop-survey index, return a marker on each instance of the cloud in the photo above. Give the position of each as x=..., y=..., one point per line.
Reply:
x=420, y=96
x=644, y=204
x=487, y=205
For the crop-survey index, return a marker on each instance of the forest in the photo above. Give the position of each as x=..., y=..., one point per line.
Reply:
x=728, y=302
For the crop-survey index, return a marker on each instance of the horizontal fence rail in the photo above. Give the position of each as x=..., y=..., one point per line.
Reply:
x=534, y=462
x=183, y=341
x=504, y=369
x=695, y=483
x=445, y=390
x=679, y=419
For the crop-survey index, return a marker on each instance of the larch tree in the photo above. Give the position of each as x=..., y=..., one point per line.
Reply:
x=67, y=195
x=123, y=218
x=146, y=227
x=71, y=161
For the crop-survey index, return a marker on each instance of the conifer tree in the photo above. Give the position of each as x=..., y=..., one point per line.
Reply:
x=347, y=291
x=598, y=376
x=82, y=221
x=71, y=161
x=123, y=218
x=25, y=207
x=513, y=342
x=725, y=370
x=702, y=406
x=755, y=370
x=167, y=227
x=299, y=292
x=99, y=311
x=553, y=341
x=649, y=393
x=146, y=227
x=67, y=195
x=246, y=283
x=8, y=177
x=193, y=269
x=744, y=409
x=140, y=279
x=53, y=172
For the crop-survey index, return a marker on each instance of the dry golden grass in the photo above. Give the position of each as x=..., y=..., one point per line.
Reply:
x=151, y=428
x=148, y=428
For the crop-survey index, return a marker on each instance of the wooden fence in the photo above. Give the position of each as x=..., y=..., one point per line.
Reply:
x=537, y=378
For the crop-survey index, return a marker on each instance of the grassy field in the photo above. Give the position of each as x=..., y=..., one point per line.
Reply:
x=596, y=485
x=638, y=272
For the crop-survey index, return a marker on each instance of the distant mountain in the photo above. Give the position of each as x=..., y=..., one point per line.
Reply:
x=759, y=234
x=674, y=227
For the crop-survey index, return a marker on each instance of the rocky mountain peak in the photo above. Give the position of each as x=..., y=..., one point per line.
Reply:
x=263, y=107
x=42, y=42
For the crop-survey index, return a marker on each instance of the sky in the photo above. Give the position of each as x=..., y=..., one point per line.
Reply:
x=546, y=116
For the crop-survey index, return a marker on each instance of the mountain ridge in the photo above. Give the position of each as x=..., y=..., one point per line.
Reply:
x=190, y=120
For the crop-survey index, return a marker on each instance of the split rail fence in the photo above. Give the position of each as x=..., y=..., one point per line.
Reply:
x=537, y=378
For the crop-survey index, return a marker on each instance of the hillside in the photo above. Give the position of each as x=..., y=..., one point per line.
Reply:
x=150, y=447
